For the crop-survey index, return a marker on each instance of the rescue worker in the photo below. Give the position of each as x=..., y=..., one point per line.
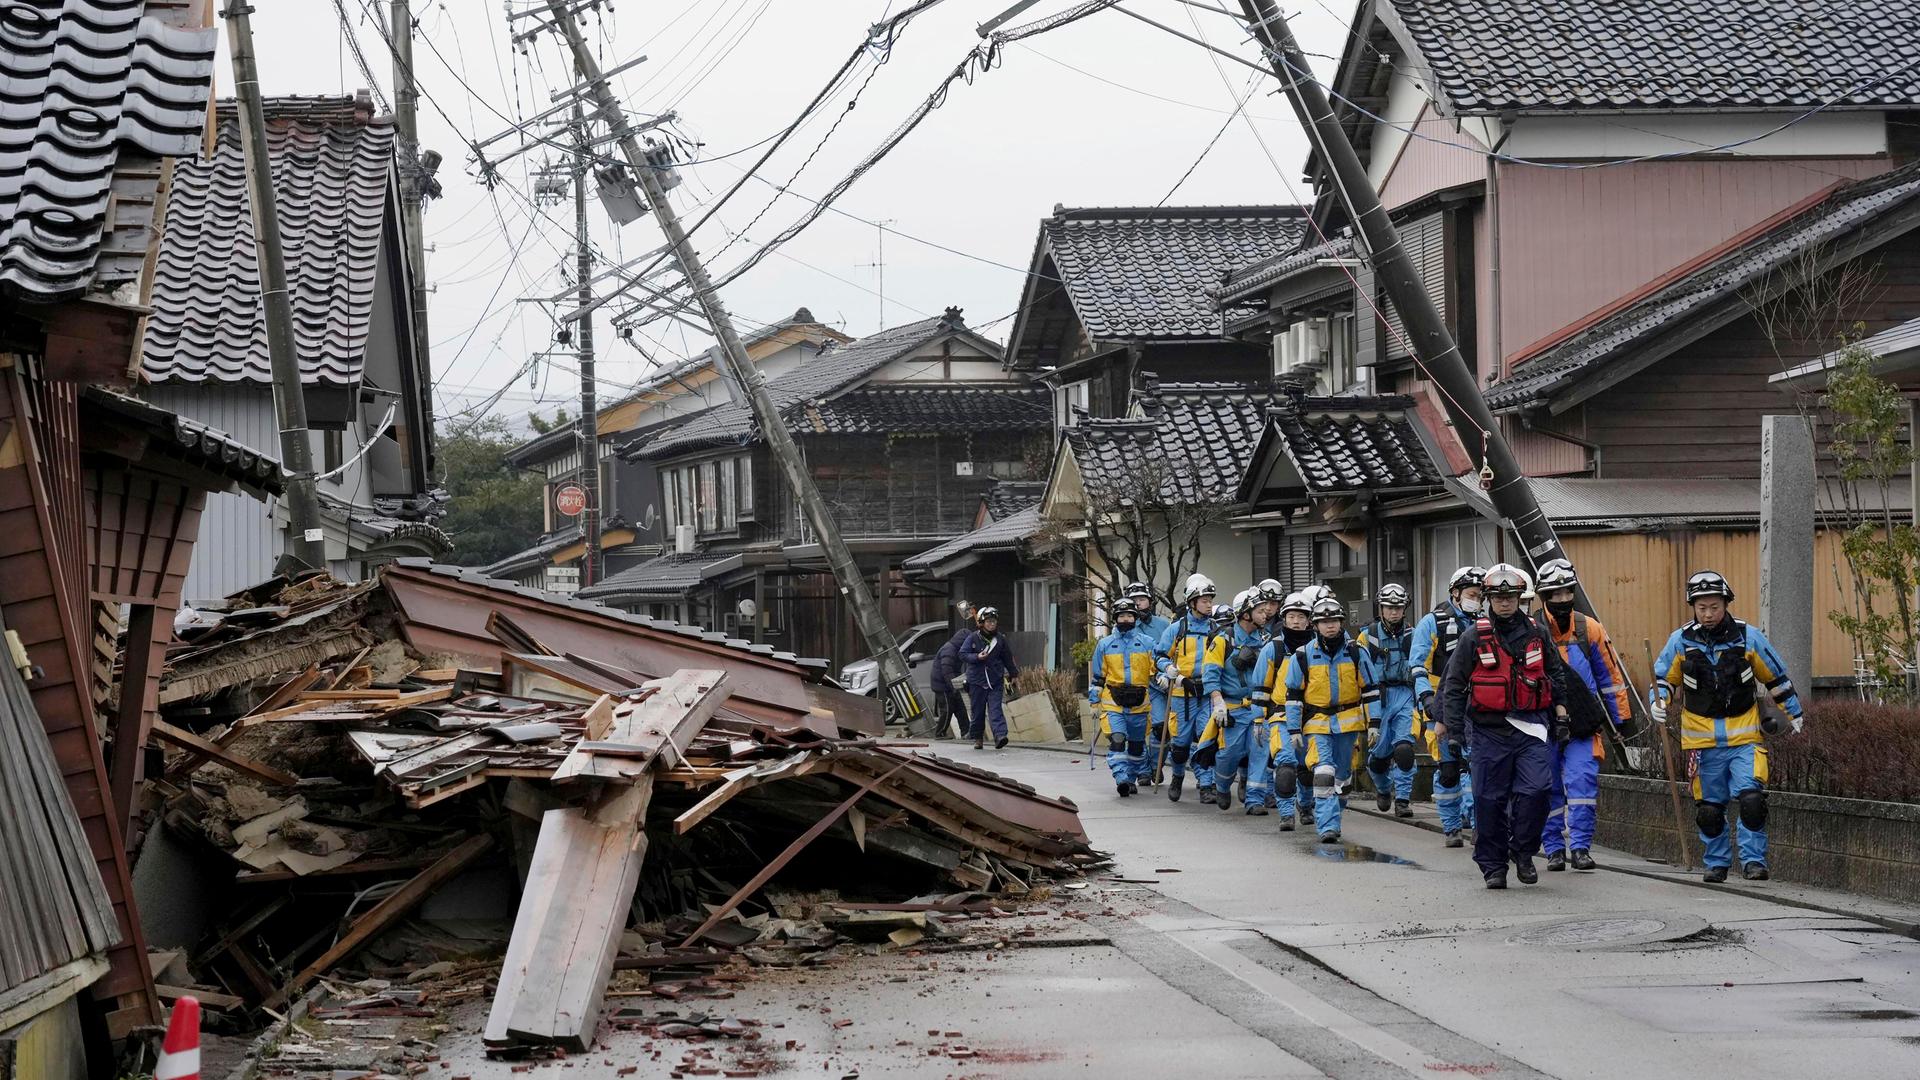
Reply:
x=1238, y=725
x=1153, y=626
x=1433, y=643
x=1718, y=664
x=1269, y=695
x=1331, y=699
x=1390, y=755
x=949, y=677
x=1206, y=742
x=1180, y=657
x=1296, y=629
x=1121, y=671
x=1507, y=685
x=990, y=664
x=1573, y=804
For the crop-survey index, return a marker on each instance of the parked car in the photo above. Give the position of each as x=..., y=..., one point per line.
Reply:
x=917, y=644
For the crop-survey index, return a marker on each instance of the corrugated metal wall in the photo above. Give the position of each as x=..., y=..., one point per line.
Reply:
x=1636, y=581
x=1426, y=165
x=238, y=542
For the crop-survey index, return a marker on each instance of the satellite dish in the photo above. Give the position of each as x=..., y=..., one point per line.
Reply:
x=747, y=608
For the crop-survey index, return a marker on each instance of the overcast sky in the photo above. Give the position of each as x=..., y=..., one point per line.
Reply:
x=1107, y=111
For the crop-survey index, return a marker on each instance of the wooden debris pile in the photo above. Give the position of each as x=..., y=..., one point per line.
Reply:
x=393, y=752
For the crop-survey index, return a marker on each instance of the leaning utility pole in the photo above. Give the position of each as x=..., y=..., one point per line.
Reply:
x=414, y=167
x=589, y=406
x=866, y=610
x=305, y=540
x=1439, y=354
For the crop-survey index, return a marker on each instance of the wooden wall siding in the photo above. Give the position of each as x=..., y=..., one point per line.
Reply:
x=904, y=485
x=1575, y=240
x=36, y=587
x=143, y=528
x=1637, y=580
x=1697, y=412
x=1426, y=166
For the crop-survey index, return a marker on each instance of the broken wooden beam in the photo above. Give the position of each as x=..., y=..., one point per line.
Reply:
x=187, y=740
x=385, y=914
x=657, y=726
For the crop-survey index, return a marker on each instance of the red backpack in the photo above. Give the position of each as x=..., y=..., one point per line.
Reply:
x=1500, y=684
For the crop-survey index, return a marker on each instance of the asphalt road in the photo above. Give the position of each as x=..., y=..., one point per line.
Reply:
x=1239, y=951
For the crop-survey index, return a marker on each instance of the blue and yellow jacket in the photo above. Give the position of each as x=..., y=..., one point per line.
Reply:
x=1433, y=641
x=1122, y=659
x=1181, y=648
x=1231, y=659
x=1716, y=676
x=1269, y=676
x=1331, y=692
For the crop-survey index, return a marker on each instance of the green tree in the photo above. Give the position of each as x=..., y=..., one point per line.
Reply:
x=493, y=509
x=541, y=425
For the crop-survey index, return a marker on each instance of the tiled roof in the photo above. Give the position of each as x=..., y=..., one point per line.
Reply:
x=821, y=377
x=333, y=164
x=1340, y=445
x=88, y=88
x=176, y=437
x=1138, y=273
x=667, y=577
x=1003, y=534
x=1247, y=280
x=373, y=532
x=1494, y=55
x=931, y=407
x=1008, y=497
x=1855, y=208
x=1191, y=443
x=480, y=578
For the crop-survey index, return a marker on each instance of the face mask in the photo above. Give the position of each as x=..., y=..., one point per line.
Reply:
x=1561, y=609
x=1469, y=605
x=1125, y=627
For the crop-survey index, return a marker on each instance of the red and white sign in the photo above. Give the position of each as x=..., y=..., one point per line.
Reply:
x=570, y=499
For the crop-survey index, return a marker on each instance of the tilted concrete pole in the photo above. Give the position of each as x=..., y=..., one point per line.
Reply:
x=1787, y=488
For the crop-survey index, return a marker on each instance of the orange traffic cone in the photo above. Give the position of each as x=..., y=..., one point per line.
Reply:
x=180, y=1054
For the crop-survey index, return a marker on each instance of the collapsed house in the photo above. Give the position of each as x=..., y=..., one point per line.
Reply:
x=344, y=751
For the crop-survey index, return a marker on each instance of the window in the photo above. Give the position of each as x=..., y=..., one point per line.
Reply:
x=1447, y=547
x=709, y=496
x=1033, y=604
x=333, y=452
x=743, y=488
x=712, y=496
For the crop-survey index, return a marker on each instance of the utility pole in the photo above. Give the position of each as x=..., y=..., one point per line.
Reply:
x=305, y=540
x=866, y=610
x=414, y=171
x=589, y=406
x=1439, y=354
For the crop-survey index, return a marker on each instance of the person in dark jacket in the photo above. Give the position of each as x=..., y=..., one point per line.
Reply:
x=949, y=676
x=1509, y=684
x=990, y=664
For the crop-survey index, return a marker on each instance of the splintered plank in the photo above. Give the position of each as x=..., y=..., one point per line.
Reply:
x=658, y=726
x=386, y=913
x=585, y=868
x=187, y=740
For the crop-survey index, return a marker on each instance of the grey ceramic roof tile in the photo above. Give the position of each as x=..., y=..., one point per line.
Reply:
x=1192, y=442
x=1355, y=444
x=382, y=528
x=1143, y=274
x=1008, y=497
x=819, y=378
x=176, y=437
x=1852, y=209
x=1493, y=55
x=907, y=407
x=1247, y=280
x=1002, y=535
x=91, y=91
x=537, y=555
x=332, y=167
x=669, y=575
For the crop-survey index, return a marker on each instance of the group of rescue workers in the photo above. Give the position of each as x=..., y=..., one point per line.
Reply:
x=1508, y=702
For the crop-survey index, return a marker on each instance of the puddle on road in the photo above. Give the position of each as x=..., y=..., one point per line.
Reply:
x=1361, y=853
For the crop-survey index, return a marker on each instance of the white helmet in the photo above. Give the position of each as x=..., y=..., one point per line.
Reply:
x=1138, y=590
x=1466, y=577
x=1393, y=594
x=1245, y=600
x=1506, y=579
x=1327, y=608
x=1271, y=590
x=1198, y=585
x=1316, y=593
x=1557, y=574
x=1296, y=602
x=1708, y=583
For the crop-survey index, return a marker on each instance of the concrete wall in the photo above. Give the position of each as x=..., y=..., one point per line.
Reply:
x=1871, y=848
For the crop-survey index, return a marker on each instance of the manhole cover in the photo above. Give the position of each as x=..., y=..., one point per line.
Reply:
x=1615, y=930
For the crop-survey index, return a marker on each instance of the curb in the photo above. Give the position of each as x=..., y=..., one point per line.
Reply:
x=1675, y=876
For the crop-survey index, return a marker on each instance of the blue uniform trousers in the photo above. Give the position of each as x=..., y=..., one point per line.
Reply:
x=1244, y=743
x=1186, y=716
x=1512, y=774
x=1574, y=802
x=986, y=707
x=1396, y=727
x=1156, y=732
x=1454, y=801
x=1285, y=757
x=1127, y=763
x=1330, y=760
x=1721, y=775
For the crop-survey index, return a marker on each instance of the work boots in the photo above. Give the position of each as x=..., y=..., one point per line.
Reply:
x=1382, y=801
x=1523, y=869
x=1754, y=872
x=1224, y=798
x=1125, y=789
x=1286, y=823
x=1497, y=879
x=1453, y=840
x=1402, y=808
x=1173, y=788
x=1206, y=796
x=1583, y=860
x=1556, y=861
x=980, y=740
x=1714, y=875
x=1000, y=743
